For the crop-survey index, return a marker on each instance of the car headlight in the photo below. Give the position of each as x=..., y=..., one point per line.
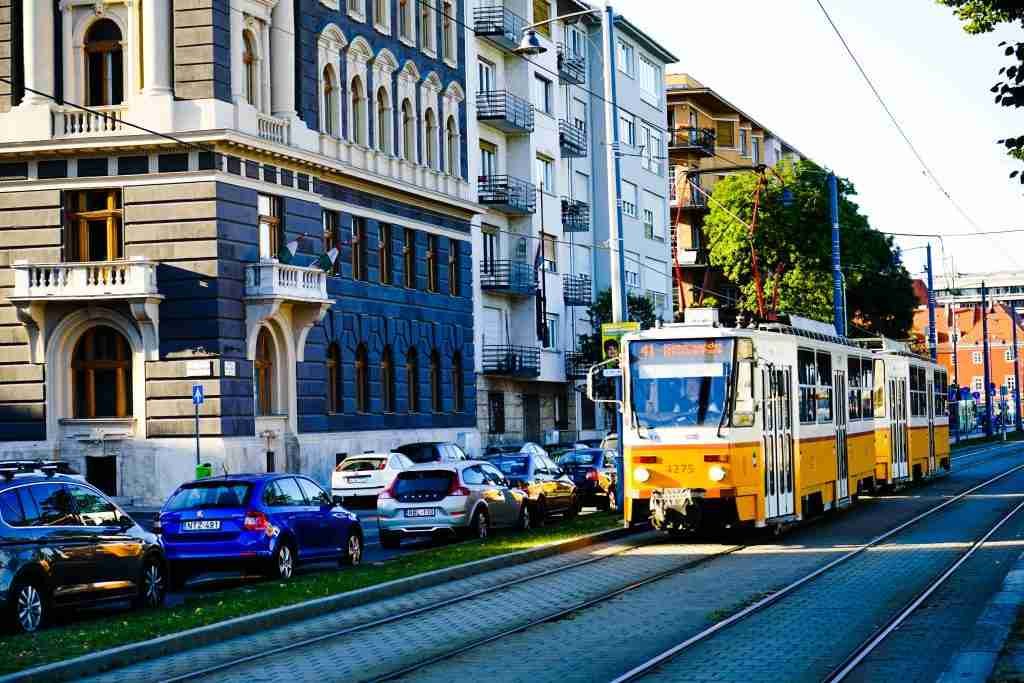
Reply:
x=716, y=473
x=641, y=474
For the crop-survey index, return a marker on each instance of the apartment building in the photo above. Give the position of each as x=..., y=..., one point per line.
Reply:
x=194, y=247
x=542, y=245
x=709, y=138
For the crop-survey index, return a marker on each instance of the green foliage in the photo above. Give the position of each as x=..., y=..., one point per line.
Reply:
x=641, y=310
x=793, y=244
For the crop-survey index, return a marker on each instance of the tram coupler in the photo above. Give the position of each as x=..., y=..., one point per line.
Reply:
x=676, y=510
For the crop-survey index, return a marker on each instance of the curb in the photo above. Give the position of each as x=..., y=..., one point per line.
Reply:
x=106, y=660
x=977, y=659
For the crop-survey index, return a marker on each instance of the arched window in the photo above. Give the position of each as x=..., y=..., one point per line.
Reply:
x=251, y=75
x=452, y=164
x=334, y=402
x=408, y=131
x=362, y=380
x=387, y=380
x=458, y=387
x=104, y=64
x=263, y=373
x=358, y=112
x=436, y=404
x=412, y=380
x=383, y=121
x=430, y=144
x=330, y=101
x=102, y=374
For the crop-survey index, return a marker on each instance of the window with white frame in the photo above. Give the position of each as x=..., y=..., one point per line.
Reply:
x=452, y=158
x=627, y=130
x=407, y=20
x=755, y=150
x=449, y=48
x=978, y=385
x=384, y=137
x=626, y=58
x=382, y=15
x=578, y=45
x=657, y=300
x=581, y=188
x=648, y=218
x=550, y=252
x=579, y=113
x=650, y=79
x=356, y=9
x=551, y=322
x=1010, y=382
x=330, y=101
x=743, y=142
x=632, y=277
x=653, y=216
x=545, y=174
x=428, y=27
x=654, y=153
x=542, y=99
x=485, y=75
x=1008, y=355
x=976, y=357
x=629, y=198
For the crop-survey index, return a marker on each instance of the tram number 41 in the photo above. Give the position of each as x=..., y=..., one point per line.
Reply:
x=681, y=469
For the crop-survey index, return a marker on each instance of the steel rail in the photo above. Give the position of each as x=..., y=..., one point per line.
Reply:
x=758, y=606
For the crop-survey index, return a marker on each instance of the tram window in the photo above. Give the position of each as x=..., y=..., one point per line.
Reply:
x=866, y=385
x=918, y=392
x=808, y=378
x=853, y=392
x=879, y=388
x=941, y=389
x=824, y=387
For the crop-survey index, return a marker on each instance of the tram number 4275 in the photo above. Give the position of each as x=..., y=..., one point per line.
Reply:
x=682, y=469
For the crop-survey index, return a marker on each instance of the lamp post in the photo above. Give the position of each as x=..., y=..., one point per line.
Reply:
x=531, y=44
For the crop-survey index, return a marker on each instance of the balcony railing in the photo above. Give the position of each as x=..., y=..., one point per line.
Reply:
x=572, y=138
x=274, y=129
x=694, y=200
x=273, y=280
x=508, y=277
x=575, y=215
x=498, y=24
x=85, y=281
x=69, y=122
x=691, y=258
x=577, y=290
x=512, y=361
x=572, y=67
x=698, y=140
x=576, y=366
x=504, y=111
x=508, y=194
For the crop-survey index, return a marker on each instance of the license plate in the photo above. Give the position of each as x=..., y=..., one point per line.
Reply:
x=201, y=525
x=674, y=497
x=356, y=480
x=419, y=512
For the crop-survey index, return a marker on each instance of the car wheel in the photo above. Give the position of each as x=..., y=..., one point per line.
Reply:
x=353, y=553
x=390, y=540
x=29, y=610
x=480, y=527
x=574, y=507
x=282, y=564
x=525, y=518
x=152, y=585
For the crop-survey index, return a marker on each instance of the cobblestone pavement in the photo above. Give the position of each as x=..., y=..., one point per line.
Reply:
x=605, y=640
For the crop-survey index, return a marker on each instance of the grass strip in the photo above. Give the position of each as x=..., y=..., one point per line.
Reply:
x=111, y=630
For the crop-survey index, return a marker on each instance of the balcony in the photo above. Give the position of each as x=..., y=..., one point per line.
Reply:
x=694, y=200
x=575, y=215
x=504, y=111
x=699, y=141
x=514, y=278
x=577, y=290
x=572, y=67
x=511, y=361
x=505, y=193
x=131, y=282
x=271, y=287
x=273, y=129
x=499, y=25
x=572, y=139
x=70, y=122
x=576, y=366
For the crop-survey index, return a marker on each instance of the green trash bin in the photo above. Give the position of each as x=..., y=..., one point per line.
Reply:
x=204, y=470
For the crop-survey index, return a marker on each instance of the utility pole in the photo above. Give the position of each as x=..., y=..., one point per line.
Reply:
x=838, y=301
x=1016, y=368
x=932, y=341
x=984, y=346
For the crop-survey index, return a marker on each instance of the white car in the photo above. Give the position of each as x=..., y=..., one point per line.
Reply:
x=366, y=475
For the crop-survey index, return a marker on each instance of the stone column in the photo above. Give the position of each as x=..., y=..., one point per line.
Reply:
x=156, y=54
x=37, y=21
x=282, y=47
x=237, y=47
x=266, y=86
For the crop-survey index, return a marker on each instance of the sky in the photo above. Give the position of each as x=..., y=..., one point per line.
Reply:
x=781, y=63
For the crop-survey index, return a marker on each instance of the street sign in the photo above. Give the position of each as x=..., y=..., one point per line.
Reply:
x=197, y=394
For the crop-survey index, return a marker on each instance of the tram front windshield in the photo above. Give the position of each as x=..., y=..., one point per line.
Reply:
x=679, y=382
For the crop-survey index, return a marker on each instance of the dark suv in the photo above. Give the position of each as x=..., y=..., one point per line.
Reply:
x=63, y=543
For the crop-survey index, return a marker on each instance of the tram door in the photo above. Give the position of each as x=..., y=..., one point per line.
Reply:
x=778, y=442
x=841, y=412
x=898, y=427
x=931, y=427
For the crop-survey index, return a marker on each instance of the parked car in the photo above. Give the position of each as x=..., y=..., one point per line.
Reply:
x=499, y=448
x=268, y=522
x=64, y=544
x=467, y=497
x=589, y=443
x=549, y=490
x=432, y=451
x=44, y=467
x=362, y=477
x=593, y=472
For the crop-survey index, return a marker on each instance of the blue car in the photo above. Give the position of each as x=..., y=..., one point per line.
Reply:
x=267, y=522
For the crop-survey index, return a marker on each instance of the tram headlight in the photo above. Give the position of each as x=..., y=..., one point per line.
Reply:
x=717, y=473
x=641, y=474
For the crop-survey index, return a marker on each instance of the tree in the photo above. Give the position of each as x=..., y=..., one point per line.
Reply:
x=792, y=240
x=641, y=310
x=982, y=16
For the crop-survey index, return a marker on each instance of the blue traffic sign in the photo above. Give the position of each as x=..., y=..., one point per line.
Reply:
x=197, y=394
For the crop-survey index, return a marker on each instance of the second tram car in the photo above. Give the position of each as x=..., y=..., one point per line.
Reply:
x=771, y=424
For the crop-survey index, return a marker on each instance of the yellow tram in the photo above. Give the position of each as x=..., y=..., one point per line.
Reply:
x=771, y=424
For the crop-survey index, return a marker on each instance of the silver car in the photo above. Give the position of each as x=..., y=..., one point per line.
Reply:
x=465, y=498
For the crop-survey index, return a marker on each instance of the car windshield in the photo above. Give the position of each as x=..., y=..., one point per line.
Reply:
x=679, y=382
x=512, y=466
x=419, y=452
x=361, y=465
x=578, y=458
x=436, y=482
x=231, y=494
x=504, y=449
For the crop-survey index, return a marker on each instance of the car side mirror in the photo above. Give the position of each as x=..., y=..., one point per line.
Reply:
x=338, y=500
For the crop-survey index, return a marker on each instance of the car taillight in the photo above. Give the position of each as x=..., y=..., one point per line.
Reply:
x=255, y=521
x=591, y=474
x=457, y=489
x=388, y=492
x=383, y=465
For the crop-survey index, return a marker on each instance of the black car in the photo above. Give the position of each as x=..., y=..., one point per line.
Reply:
x=549, y=490
x=593, y=472
x=432, y=451
x=63, y=543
